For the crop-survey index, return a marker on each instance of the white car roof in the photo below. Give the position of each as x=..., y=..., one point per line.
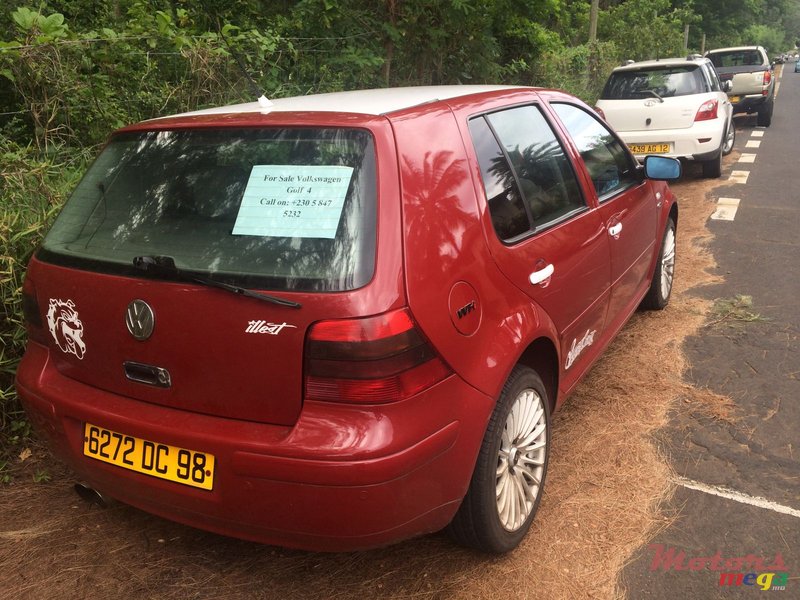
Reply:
x=734, y=48
x=370, y=102
x=662, y=62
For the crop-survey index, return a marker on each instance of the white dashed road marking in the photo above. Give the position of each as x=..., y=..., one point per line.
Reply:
x=726, y=209
x=723, y=492
x=739, y=176
x=747, y=158
x=753, y=144
x=757, y=133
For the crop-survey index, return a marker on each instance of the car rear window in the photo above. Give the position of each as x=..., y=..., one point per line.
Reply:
x=278, y=208
x=664, y=82
x=736, y=58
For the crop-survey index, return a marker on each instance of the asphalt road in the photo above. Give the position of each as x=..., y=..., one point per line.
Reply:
x=737, y=506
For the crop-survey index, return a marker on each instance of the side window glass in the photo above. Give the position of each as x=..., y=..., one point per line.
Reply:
x=711, y=75
x=509, y=217
x=610, y=166
x=542, y=168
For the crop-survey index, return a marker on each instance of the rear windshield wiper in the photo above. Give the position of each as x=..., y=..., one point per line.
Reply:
x=165, y=265
x=653, y=93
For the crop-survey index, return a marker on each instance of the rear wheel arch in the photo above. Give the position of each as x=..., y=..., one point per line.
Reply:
x=541, y=356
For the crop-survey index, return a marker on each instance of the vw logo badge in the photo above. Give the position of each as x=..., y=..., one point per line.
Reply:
x=140, y=319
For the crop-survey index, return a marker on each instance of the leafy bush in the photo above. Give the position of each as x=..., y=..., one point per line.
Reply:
x=32, y=188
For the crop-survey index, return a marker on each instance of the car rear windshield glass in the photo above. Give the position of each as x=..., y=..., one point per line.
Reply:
x=736, y=58
x=649, y=83
x=279, y=208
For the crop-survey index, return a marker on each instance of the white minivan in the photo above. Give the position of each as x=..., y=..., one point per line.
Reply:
x=673, y=106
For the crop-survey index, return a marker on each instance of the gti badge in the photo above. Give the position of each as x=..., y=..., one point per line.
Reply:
x=66, y=327
x=140, y=320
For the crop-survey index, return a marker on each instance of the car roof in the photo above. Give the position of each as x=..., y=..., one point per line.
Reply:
x=734, y=49
x=367, y=102
x=661, y=62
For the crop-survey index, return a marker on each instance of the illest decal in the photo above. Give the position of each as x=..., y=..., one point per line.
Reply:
x=261, y=326
x=66, y=327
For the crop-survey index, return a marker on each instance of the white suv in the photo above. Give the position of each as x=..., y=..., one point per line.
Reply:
x=672, y=106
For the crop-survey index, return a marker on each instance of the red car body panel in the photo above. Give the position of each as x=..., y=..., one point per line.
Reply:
x=328, y=475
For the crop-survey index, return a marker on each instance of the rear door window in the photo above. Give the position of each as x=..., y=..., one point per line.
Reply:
x=280, y=208
x=527, y=175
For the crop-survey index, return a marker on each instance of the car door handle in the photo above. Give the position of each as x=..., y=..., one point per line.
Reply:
x=541, y=275
x=615, y=230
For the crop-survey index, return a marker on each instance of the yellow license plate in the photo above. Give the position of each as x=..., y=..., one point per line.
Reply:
x=734, y=99
x=649, y=148
x=151, y=458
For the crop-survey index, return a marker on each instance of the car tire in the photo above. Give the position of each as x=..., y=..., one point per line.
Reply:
x=713, y=168
x=765, y=114
x=660, y=290
x=730, y=139
x=507, y=483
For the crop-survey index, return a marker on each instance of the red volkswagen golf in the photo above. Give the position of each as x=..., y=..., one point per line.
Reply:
x=336, y=321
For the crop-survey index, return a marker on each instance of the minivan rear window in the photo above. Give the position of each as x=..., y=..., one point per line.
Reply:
x=273, y=208
x=649, y=83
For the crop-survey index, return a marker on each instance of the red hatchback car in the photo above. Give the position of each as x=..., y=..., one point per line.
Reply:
x=336, y=321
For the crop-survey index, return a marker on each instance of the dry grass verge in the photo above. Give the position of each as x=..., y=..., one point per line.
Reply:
x=606, y=484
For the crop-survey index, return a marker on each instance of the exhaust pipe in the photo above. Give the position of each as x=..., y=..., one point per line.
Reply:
x=92, y=496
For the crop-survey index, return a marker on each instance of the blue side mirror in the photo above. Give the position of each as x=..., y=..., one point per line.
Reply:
x=663, y=168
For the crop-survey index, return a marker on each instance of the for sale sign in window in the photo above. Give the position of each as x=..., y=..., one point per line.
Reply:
x=293, y=201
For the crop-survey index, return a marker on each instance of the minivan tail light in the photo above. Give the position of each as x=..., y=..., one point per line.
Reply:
x=707, y=111
x=373, y=360
x=600, y=112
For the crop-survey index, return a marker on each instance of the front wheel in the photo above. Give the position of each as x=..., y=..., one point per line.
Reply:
x=508, y=479
x=660, y=290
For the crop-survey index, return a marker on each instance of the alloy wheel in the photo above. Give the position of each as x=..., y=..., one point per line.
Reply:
x=521, y=459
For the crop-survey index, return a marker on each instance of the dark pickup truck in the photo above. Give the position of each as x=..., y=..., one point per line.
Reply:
x=750, y=72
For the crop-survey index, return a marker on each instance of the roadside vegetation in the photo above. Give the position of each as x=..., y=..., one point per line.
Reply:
x=71, y=71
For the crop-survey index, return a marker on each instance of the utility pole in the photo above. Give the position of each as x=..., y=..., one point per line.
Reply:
x=686, y=38
x=593, y=21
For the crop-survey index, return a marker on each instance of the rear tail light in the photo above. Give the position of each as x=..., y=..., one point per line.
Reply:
x=766, y=81
x=600, y=112
x=31, y=312
x=371, y=361
x=707, y=111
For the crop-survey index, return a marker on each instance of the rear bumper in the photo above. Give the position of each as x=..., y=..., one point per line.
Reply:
x=342, y=478
x=750, y=104
x=699, y=142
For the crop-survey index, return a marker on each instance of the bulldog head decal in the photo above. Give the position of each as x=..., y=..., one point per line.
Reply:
x=66, y=327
